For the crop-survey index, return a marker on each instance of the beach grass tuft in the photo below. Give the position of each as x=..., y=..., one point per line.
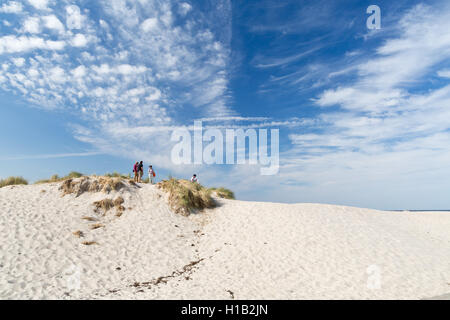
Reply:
x=89, y=243
x=78, y=233
x=12, y=181
x=56, y=178
x=103, y=205
x=92, y=184
x=185, y=197
x=96, y=226
x=117, y=175
x=223, y=193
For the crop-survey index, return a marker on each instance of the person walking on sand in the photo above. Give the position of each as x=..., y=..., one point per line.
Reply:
x=194, y=178
x=151, y=174
x=140, y=171
x=135, y=171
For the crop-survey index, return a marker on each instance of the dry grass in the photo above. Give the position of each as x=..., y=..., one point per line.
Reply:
x=89, y=243
x=103, y=205
x=185, y=196
x=118, y=201
x=223, y=193
x=107, y=204
x=56, y=178
x=11, y=181
x=96, y=226
x=78, y=234
x=117, y=175
x=91, y=184
x=89, y=218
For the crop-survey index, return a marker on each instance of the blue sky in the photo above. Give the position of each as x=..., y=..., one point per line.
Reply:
x=363, y=115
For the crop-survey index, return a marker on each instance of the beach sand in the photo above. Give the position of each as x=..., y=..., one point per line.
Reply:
x=239, y=250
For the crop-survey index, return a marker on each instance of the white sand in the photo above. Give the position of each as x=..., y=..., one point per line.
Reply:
x=250, y=250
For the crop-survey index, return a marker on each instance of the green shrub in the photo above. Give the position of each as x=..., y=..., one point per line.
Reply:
x=11, y=181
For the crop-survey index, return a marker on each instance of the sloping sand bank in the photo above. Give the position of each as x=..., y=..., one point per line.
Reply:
x=240, y=250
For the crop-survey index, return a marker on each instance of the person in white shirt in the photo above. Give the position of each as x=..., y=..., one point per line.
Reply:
x=151, y=174
x=194, y=178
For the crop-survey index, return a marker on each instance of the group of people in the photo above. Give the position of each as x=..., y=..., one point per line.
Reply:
x=138, y=170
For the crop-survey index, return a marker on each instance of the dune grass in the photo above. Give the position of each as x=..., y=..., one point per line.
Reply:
x=56, y=178
x=223, y=193
x=74, y=174
x=91, y=184
x=107, y=204
x=78, y=234
x=103, y=205
x=12, y=181
x=117, y=175
x=185, y=197
x=96, y=226
x=89, y=243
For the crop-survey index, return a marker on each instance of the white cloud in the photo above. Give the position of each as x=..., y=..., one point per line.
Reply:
x=74, y=18
x=57, y=75
x=52, y=156
x=55, y=45
x=384, y=131
x=11, y=7
x=155, y=69
x=33, y=73
x=52, y=22
x=39, y=4
x=124, y=69
x=79, y=40
x=444, y=73
x=184, y=8
x=12, y=44
x=79, y=72
x=32, y=25
x=149, y=24
x=154, y=95
x=19, y=62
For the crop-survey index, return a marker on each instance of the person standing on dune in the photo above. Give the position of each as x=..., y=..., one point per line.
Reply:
x=140, y=171
x=135, y=171
x=151, y=174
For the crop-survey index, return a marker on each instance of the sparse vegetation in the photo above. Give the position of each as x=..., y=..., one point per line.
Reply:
x=91, y=184
x=105, y=205
x=78, y=234
x=12, y=181
x=223, y=193
x=89, y=243
x=118, y=201
x=185, y=196
x=88, y=218
x=56, y=178
x=117, y=175
x=96, y=226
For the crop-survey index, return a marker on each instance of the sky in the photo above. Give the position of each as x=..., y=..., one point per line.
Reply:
x=363, y=114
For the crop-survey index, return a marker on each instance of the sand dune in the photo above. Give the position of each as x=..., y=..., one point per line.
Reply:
x=239, y=250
